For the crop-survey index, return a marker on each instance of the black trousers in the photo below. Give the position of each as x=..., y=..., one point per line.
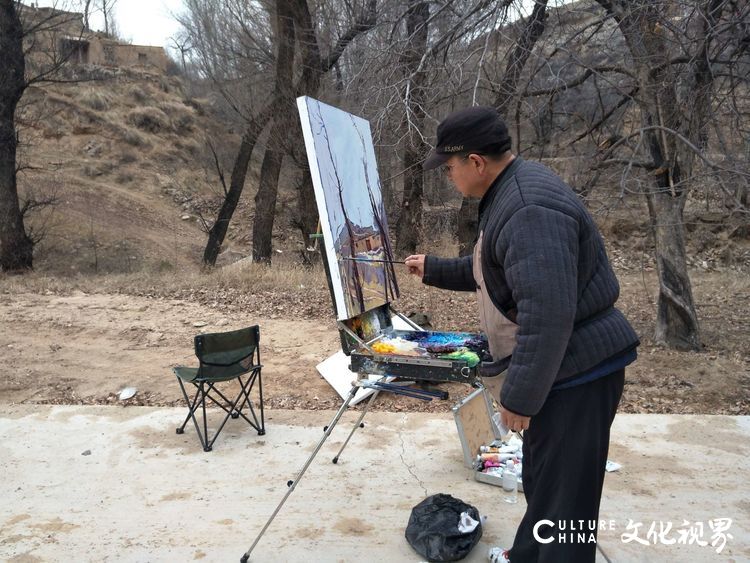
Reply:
x=564, y=454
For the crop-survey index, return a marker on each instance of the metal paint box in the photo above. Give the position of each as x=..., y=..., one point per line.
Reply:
x=411, y=367
x=360, y=333
x=473, y=415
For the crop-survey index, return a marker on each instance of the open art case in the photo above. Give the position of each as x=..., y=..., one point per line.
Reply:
x=476, y=428
x=359, y=258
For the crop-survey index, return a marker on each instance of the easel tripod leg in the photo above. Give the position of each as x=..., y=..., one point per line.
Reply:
x=357, y=424
x=293, y=484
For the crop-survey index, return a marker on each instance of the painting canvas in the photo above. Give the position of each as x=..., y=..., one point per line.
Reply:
x=350, y=204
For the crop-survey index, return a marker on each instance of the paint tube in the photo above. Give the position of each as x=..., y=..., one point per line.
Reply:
x=503, y=449
x=487, y=464
x=496, y=457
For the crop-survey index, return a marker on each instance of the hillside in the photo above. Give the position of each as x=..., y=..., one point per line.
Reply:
x=123, y=153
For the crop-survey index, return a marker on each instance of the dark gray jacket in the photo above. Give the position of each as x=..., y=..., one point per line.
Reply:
x=546, y=269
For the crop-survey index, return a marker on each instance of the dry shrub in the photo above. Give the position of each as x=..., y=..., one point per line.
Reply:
x=191, y=146
x=181, y=116
x=96, y=169
x=195, y=104
x=124, y=177
x=183, y=123
x=55, y=127
x=149, y=119
x=128, y=157
x=95, y=100
x=133, y=137
x=138, y=94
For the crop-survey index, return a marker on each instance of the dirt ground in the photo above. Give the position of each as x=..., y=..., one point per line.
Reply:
x=68, y=345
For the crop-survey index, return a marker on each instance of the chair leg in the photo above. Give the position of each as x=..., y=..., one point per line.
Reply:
x=190, y=405
x=206, y=445
x=229, y=409
x=245, y=390
x=198, y=401
x=262, y=430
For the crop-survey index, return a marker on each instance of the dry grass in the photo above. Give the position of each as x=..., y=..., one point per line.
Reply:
x=138, y=94
x=124, y=177
x=96, y=169
x=128, y=157
x=243, y=276
x=149, y=119
x=133, y=137
x=96, y=100
x=180, y=115
x=190, y=146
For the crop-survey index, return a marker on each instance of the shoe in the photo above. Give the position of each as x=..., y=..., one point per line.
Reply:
x=498, y=555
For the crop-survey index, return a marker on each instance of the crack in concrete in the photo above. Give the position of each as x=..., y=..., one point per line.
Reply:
x=403, y=461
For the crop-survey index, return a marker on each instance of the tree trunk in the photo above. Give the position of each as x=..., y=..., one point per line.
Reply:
x=218, y=231
x=468, y=221
x=105, y=14
x=86, y=10
x=265, y=203
x=409, y=225
x=676, y=320
x=307, y=216
x=265, y=199
x=640, y=24
x=16, y=248
x=468, y=225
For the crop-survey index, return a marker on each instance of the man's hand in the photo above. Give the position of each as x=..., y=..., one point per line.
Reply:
x=515, y=422
x=415, y=264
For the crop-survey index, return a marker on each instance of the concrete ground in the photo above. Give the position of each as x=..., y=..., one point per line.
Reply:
x=144, y=493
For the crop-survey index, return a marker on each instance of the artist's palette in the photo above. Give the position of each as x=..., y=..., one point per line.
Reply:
x=461, y=346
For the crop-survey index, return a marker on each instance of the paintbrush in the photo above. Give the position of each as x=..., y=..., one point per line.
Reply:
x=374, y=260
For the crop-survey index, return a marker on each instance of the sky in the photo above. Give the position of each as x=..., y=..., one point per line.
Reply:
x=143, y=22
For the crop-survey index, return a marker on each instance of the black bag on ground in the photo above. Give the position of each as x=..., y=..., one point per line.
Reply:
x=433, y=528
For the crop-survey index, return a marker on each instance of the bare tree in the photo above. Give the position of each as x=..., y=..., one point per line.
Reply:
x=108, y=13
x=428, y=61
x=316, y=65
x=286, y=132
x=16, y=248
x=644, y=109
x=232, y=49
x=181, y=42
x=30, y=54
x=669, y=136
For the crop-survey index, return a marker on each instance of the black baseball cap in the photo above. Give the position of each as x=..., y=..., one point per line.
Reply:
x=468, y=130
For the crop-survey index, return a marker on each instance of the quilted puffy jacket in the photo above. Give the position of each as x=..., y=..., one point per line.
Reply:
x=546, y=269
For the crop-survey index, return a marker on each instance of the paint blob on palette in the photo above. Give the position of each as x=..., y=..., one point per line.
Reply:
x=462, y=346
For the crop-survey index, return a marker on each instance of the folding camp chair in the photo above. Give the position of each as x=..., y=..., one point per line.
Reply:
x=223, y=357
